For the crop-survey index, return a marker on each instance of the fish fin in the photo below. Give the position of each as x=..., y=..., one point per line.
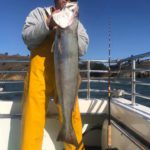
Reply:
x=60, y=47
x=79, y=80
x=67, y=136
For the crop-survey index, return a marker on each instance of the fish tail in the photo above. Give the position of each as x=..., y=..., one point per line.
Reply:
x=67, y=136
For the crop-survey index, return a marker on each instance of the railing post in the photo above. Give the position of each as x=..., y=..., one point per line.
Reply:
x=88, y=83
x=133, y=82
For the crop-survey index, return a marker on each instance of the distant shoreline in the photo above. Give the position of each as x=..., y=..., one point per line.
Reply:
x=15, y=66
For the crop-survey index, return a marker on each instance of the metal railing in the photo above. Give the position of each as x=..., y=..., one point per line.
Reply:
x=134, y=82
x=88, y=80
x=132, y=60
x=88, y=70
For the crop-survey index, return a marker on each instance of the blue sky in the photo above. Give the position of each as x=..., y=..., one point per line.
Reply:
x=130, y=26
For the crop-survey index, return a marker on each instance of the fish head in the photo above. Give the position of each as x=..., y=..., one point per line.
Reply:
x=66, y=16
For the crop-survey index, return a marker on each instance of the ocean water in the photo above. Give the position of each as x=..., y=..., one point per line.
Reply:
x=103, y=85
x=117, y=85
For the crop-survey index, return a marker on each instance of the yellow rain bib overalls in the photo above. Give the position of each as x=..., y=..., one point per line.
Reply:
x=39, y=86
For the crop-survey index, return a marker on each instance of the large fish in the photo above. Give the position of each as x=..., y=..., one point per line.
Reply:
x=66, y=73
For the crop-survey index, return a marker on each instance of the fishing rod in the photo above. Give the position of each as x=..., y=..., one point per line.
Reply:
x=109, y=128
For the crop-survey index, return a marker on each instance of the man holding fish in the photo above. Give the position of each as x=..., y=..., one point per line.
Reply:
x=55, y=44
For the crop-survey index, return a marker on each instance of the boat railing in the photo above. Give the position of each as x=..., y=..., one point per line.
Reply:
x=88, y=79
x=88, y=72
x=133, y=70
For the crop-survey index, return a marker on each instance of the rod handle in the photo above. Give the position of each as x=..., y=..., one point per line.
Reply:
x=109, y=136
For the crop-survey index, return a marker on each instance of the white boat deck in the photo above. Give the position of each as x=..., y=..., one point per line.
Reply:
x=93, y=113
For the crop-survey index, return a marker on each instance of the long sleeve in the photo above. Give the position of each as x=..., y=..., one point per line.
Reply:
x=35, y=29
x=83, y=39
